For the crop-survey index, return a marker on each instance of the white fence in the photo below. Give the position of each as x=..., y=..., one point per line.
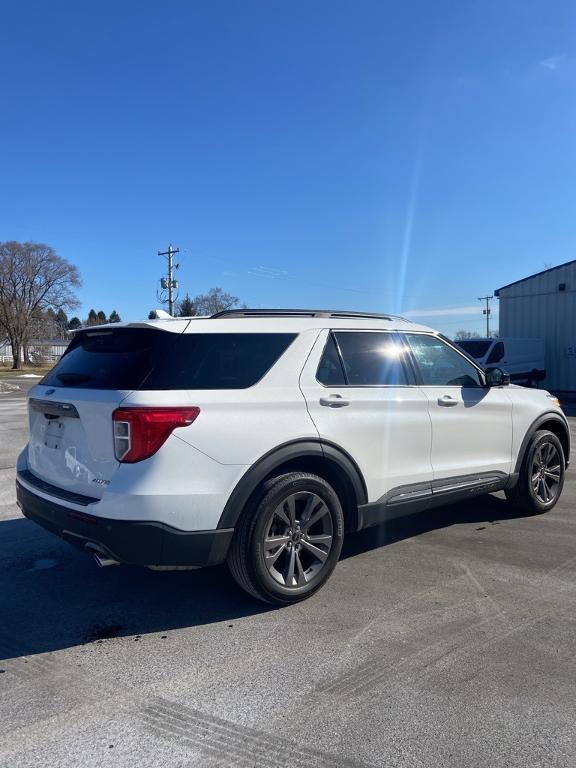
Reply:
x=39, y=351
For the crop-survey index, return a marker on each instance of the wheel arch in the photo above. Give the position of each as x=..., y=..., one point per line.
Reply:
x=321, y=458
x=553, y=422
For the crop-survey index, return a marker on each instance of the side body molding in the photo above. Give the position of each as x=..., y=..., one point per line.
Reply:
x=291, y=452
x=418, y=497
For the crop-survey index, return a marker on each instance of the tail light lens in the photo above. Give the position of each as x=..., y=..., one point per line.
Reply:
x=140, y=432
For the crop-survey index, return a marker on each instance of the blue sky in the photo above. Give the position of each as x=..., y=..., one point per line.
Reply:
x=392, y=156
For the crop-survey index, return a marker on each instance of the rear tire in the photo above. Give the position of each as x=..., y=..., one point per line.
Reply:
x=288, y=539
x=541, y=476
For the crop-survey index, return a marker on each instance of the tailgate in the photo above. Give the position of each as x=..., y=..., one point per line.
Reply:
x=71, y=444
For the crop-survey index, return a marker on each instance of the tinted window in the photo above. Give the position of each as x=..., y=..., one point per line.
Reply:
x=474, y=347
x=330, y=371
x=371, y=358
x=440, y=365
x=147, y=359
x=497, y=353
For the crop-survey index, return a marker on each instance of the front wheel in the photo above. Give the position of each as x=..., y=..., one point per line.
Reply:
x=541, y=475
x=288, y=539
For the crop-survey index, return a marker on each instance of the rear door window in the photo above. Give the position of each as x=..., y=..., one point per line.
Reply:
x=371, y=358
x=149, y=359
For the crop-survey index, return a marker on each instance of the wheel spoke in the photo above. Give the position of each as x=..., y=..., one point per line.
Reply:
x=273, y=548
x=553, y=474
x=271, y=557
x=311, y=503
x=289, y=574
x=538, y=457
x=274, y=541
x=290, y=509
x=543, y=490
x=300, y=575
x=550, y=452
x=320, y=538
x=318, y=514
x=280, y=512
x=316, y=551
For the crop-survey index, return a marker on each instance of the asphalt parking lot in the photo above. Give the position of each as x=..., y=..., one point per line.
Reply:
x=445, y=639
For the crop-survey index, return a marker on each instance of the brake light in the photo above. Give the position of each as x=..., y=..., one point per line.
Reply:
x=140, y=432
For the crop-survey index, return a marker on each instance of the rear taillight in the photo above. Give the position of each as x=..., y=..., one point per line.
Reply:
x=140, y=432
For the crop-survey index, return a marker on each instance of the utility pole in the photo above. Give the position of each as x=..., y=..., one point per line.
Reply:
x=170, y=283
x=486, y=312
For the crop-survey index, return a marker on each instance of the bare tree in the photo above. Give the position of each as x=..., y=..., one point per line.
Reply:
x=462, y=335
x=216, y=300
x=32, y=278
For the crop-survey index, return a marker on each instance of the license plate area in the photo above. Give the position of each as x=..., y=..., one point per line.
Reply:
x=54, y=434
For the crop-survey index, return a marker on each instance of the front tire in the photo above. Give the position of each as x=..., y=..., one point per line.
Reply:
x=541, y=475
x=288, y=539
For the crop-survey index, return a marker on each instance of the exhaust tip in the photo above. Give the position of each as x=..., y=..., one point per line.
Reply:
x=102, y=560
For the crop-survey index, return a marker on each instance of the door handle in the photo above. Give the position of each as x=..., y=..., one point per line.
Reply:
x=447, y=400
x=334, y=401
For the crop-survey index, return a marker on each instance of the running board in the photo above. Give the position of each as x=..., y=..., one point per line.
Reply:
x=417, y=497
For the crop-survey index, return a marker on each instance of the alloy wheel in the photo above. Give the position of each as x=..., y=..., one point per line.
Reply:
x=546, y=472
x=298, y=539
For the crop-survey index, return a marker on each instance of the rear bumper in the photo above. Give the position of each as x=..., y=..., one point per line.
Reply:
x=133, y=542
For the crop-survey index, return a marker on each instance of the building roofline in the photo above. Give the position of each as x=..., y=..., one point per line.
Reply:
x=536, y=274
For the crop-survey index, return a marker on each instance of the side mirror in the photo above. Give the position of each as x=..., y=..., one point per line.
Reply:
x=496, y=377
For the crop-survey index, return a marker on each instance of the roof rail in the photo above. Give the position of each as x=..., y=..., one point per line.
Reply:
x=302, y=313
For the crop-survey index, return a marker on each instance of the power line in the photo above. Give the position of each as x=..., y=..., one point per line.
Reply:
x=169, y=283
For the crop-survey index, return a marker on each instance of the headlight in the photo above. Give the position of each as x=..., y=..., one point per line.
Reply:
x=554, y=400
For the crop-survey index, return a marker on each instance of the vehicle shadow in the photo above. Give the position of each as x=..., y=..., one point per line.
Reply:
x=53, y=596
x=481, y=510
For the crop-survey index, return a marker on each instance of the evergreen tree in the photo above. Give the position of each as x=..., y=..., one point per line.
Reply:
x=74, y=323
x=114, y=317
x=102, y=317
x=62, y=323
x=186, y=307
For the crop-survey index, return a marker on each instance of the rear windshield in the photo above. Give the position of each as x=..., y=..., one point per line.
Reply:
x=148, y=359
x=474, y=347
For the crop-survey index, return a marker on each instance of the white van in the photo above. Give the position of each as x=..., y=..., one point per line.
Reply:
x=523, y=359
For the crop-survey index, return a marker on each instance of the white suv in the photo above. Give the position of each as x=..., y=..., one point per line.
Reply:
x=260, y=436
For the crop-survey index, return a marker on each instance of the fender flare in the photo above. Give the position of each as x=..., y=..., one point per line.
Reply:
x=295, y=449
x=536, y=424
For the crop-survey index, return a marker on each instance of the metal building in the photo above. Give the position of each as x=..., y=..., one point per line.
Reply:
x=544, y=306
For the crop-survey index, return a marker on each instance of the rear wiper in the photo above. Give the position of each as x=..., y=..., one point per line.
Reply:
x=73, y=378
